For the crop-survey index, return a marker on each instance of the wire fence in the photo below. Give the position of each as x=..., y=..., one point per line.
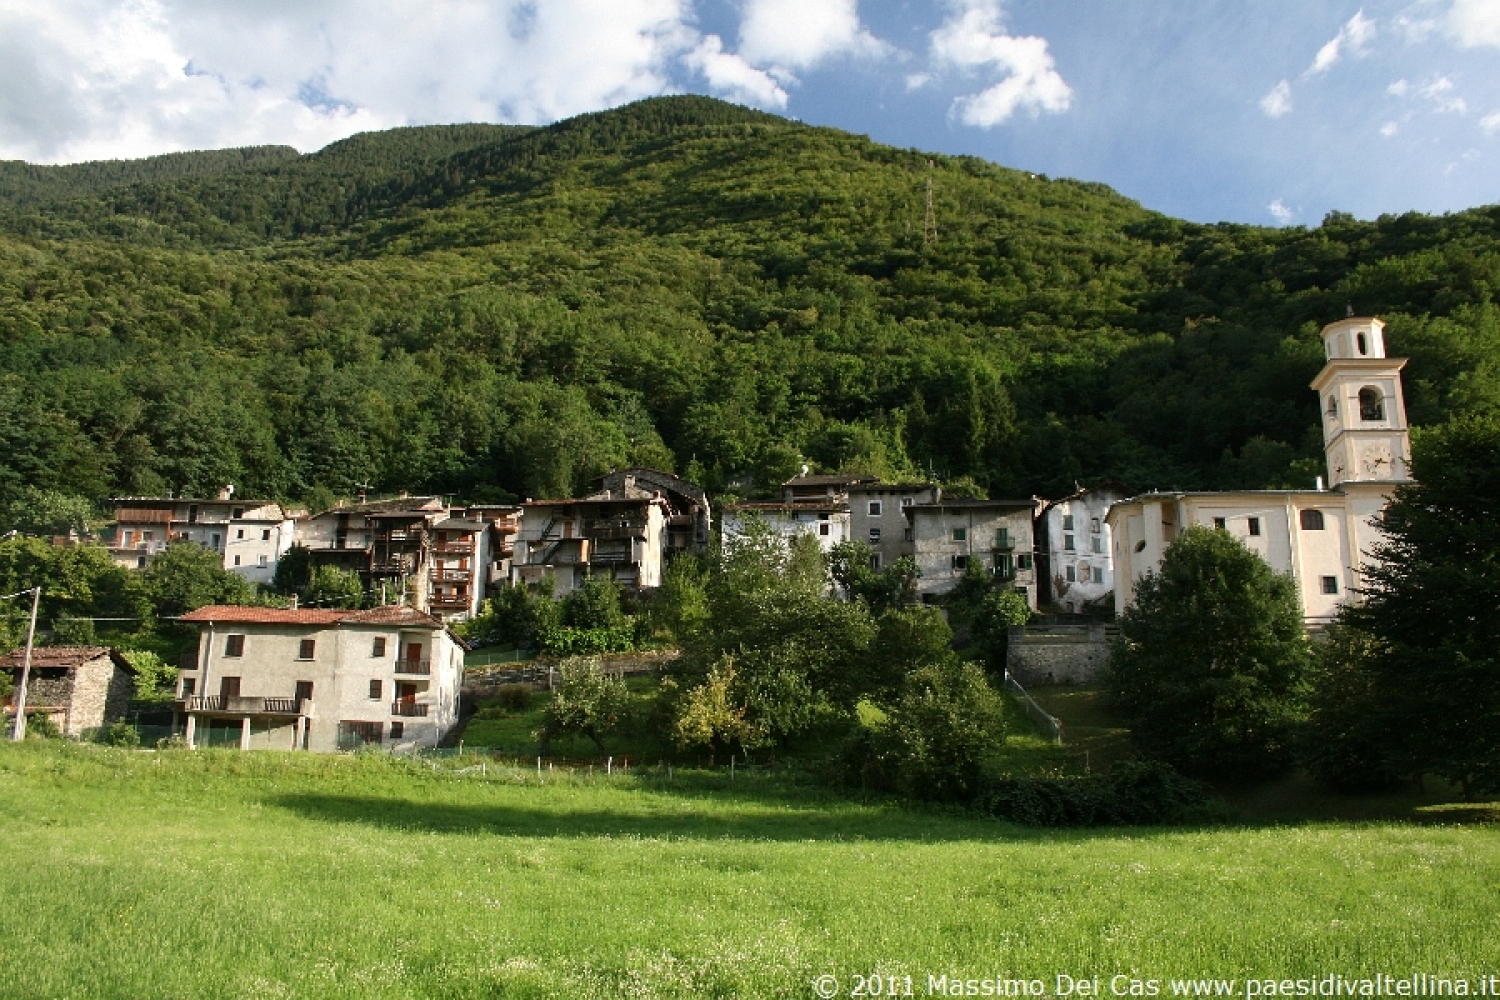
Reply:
x=1049, y=724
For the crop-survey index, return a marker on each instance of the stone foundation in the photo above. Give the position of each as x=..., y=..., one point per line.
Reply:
x=1062, y=654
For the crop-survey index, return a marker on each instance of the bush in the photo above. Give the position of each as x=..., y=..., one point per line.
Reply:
x=119, y=734
x=567, y=640
x=1133, y=793
x=513, y=697
x=39, y=726
x=944, y=731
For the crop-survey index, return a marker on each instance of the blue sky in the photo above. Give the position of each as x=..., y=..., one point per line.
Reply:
x=1268, y=112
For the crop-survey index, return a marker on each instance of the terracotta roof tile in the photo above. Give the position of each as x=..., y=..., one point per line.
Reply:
x=391, y=614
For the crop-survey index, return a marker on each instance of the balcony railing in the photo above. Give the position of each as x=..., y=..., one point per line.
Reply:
x=244, y=705
x=614, y=532
x=452, y=575
x=460, y=548
x=421, y=667
x=409, y=709
x=611, y=557
x=449, y=601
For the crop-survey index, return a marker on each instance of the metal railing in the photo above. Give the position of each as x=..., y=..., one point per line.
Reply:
x=243, y=705
x=422, y=667
x=409, y=709
x=452, y=575
x=1049, y=724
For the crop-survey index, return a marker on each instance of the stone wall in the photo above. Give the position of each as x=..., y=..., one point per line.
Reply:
x=484, y=682
x=1063, y=654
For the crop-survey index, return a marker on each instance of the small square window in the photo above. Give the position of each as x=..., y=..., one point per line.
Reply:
x=960, y=562
x=236, y=560
x=1094, y=525
x=377, y=648
x=1068, y=543
x=1097, y=544
x=239, y=512
x=262, y=561
x=960, y=534
x=239, y=533
x=234, y=645
x=265, y=535
x=1067, y=522
x=1071, y=575
x=874, y=508
x=1312, y=520
x=398, y=730
x=1219, y=524
x=1330, y=585
x=189, y=685
x=375, y=690
x=1254, y=525
x=1098, y=575
x=874, y=534
x=1023, y=561
x=822, y=527
x=307, y=649
x=907, y=501
x=140, y=562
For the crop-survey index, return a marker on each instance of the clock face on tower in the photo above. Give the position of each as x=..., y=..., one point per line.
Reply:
x=1376, y=459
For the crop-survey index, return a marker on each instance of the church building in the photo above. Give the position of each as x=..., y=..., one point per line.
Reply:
x=1320, y=537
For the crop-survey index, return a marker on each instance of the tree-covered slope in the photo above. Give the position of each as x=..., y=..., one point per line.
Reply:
x=684, y=283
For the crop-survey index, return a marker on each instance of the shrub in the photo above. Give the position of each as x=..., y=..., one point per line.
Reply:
x=513, y=698
x=943, y=732
x=120, y=734
x=1133, y=793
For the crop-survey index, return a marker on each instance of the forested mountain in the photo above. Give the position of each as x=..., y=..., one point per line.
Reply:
x=499, y=311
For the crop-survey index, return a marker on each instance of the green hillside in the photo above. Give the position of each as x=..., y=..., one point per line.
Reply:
x=500, y=311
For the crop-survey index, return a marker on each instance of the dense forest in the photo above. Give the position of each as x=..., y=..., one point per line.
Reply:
x=504, y=312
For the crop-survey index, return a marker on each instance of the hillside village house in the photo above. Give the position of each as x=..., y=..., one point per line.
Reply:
x=79, y=688
x=877, y=517
x=689, y=516
x=321, y=680
x=251, y=535
x=949, y=535
x=809, y=505
x=616, y=533
x=1320, y=537
x=1075, y=560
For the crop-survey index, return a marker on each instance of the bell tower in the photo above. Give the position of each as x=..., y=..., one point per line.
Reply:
x=1364, y=414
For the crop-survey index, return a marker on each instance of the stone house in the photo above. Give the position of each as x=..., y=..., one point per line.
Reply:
x=1320, y=537
x=620, y=534
x=809, y=505
x=1075, y=559
x=951, y=534
x=80, y=688
x=877, y=517
x=324, y=680
x=689, y=515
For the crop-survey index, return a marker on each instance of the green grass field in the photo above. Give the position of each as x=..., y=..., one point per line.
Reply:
x=219, y=874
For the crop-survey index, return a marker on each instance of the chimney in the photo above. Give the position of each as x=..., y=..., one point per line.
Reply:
x=294, y=602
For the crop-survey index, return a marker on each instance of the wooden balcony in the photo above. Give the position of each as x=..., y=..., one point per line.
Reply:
x=420, y=668
x=452, y=575
x=463, y=548
x=239, y=705
x=409, y=709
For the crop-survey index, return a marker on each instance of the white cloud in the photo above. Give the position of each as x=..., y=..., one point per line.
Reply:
x=1490, y=123
x=1351, y=40
x=1399, y=89
x=1389, y=129
x=1474, y=22
x=790, y=35
x=1280, y=212
x=916, y=81
x=1438, y=90
x=1279, y=101
x=732, y=76
x=84, y=79
x=975, y=40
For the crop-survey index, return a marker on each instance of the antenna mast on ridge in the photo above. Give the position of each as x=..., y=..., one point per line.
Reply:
x=929, y=226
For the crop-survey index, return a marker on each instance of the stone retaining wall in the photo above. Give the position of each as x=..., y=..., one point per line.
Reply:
x=1070, y=654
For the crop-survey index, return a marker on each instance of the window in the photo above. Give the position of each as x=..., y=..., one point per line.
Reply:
x=1004, y=565
x=304, y=691
x=236, y=560
x=1218, y=524
x=147, y=536
x=875, y=561
x=1140, y=546
x=1312, y=520
x=874, y=534
x=1254, y=525
x=1002, y=538
x=960, y=562
x=265, y=535
x=874, y=508
x=239, y=512
x=1330, y=585
x=375, y=690
x=234, y=645
x=1371, y=404
x=1098, y=575
x=907, y=501
x=1070, y=574
x=354, y=734
x=262, y=561
x=1094, y=525
x=1023, y=561
x=960, y=534
x=216, y=540
x=1359, y=342
x=229, y=687
x=822, y=527
x=140, y=562
x=1068, y=543
x=377, y=648
x=1333, y=406
x=239, y=533
x=1067, y=522
x=192, y=514
x=906, y=534
x=189, y=685
x=398, y=730
x=307, y=649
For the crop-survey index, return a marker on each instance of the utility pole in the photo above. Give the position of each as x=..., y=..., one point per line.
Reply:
x=20, y=729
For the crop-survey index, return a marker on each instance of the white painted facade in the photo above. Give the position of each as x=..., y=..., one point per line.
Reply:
x=825, y=521
x=1074, y=539
x=1321, y=538
x=251, y=536
x=284, y=679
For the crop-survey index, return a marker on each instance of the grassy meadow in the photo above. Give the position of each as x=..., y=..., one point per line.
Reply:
x=219, y=874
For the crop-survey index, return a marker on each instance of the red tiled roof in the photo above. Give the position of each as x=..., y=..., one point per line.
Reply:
x=391, y=614
x=54, y=656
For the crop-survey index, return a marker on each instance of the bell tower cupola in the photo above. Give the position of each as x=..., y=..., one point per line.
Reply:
x=1364, y=413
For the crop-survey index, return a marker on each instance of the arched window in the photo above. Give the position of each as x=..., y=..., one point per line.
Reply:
x=1371, y=405
x=1312, y=520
